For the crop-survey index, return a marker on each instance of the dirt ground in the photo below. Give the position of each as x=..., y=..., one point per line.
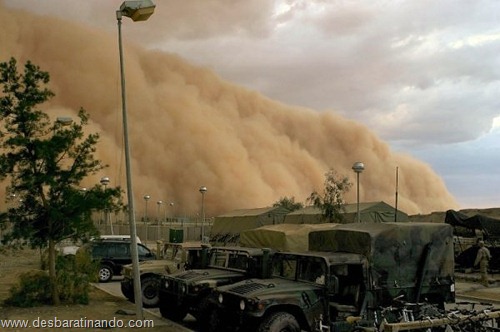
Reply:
x=102, y=309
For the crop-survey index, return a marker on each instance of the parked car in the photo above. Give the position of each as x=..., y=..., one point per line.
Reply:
x=113, y=254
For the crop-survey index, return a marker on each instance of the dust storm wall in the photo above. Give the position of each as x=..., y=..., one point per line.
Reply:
x=189, y=128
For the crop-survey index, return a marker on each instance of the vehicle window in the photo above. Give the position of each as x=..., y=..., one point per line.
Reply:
x=218, y=258
x=119, y=249
x=142, y=251
x=238, y=261
x=312, y=270
x=99, y=250
x=194, y=258
x=177, y=254
x=284, y=267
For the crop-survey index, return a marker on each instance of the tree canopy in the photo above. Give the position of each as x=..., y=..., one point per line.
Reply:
x=288, y=203
x=331, y=202
x=45, y=161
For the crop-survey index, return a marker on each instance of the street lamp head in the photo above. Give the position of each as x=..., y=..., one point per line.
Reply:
x=203, y=190
x=64, y=120
x=105, y=181
x=358, y=167
x=139, y=10
x=147, y=197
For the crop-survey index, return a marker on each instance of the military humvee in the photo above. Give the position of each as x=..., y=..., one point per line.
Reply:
x=174, y=257
x=186, y=292
x=351, y=271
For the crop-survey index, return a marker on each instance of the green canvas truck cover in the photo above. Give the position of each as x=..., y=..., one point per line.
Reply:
x=282, y=237
x=395, y=251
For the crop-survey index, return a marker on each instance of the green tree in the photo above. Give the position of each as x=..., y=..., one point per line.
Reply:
x=288, y=203
x=45, y=163
x=331, y=202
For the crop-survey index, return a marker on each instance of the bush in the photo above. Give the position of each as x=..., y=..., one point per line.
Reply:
x=33, y=290
x=74, y=275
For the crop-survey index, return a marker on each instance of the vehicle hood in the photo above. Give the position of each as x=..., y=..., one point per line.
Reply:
x=158, y=266
x=265, y=288
x=201, y=275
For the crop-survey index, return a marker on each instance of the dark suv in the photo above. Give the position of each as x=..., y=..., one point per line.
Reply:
x=114, y=254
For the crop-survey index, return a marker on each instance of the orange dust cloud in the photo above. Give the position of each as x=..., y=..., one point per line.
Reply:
x=189, y=128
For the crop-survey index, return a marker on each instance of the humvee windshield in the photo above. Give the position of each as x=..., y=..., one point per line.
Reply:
x=299, y=268
x=229, y=259
x=171, y=252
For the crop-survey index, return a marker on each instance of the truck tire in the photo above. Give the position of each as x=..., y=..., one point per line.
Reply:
x=128, y=292
x=105, y=273
x=172, y=312
x=150, y=291
x=207, y=318
x=279, y=322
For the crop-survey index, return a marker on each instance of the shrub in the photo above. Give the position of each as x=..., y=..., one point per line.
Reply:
x=33, y=290
x=74, y=275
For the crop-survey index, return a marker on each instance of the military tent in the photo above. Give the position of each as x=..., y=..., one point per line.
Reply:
x=282, y=237
x=227, y=227
x=369, y=212
x=490, y=227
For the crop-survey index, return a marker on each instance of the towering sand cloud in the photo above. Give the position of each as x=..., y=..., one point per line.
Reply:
x=190, y=128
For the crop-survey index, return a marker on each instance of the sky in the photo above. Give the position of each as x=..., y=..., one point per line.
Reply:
x=422, y=77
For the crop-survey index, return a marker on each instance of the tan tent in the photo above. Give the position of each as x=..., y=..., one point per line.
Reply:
x=227, y=227
x=369, y=212
x=283, y=237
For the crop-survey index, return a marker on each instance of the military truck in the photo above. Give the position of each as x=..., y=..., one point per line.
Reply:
x=351, y=271
x=186, y=292
x=174, y=257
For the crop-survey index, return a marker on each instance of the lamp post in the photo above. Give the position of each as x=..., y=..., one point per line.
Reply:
x=158, y=218
x=137, y=11
x=172, y=217
x=358, y=167
x=203, y=190
x=146, y=199
x=105, y=181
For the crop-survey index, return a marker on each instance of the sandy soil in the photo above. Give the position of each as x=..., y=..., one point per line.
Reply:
x=102, y=306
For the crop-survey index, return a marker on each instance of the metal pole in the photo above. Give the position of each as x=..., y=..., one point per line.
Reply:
x=357, y=209
x=396, y=205
x=202, y=216
x=131, y=211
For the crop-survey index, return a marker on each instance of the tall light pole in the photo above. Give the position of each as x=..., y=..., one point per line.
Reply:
x=358, y=167
x=158, y=218
x=105, y=181
x=146, y=199
x=203, y=190
x=172, y=217
x=137, y=11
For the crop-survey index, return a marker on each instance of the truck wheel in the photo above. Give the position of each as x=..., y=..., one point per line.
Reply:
x=150, y=292
x=128, y=292
x=207, y=318
x=172, y=312
x=213, y=323
x=279, y=322
x=105, y=273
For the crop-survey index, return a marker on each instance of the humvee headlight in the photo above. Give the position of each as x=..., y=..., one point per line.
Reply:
x=242, y=305
x=167, y=284
x=183, y=289
x=220, y=298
